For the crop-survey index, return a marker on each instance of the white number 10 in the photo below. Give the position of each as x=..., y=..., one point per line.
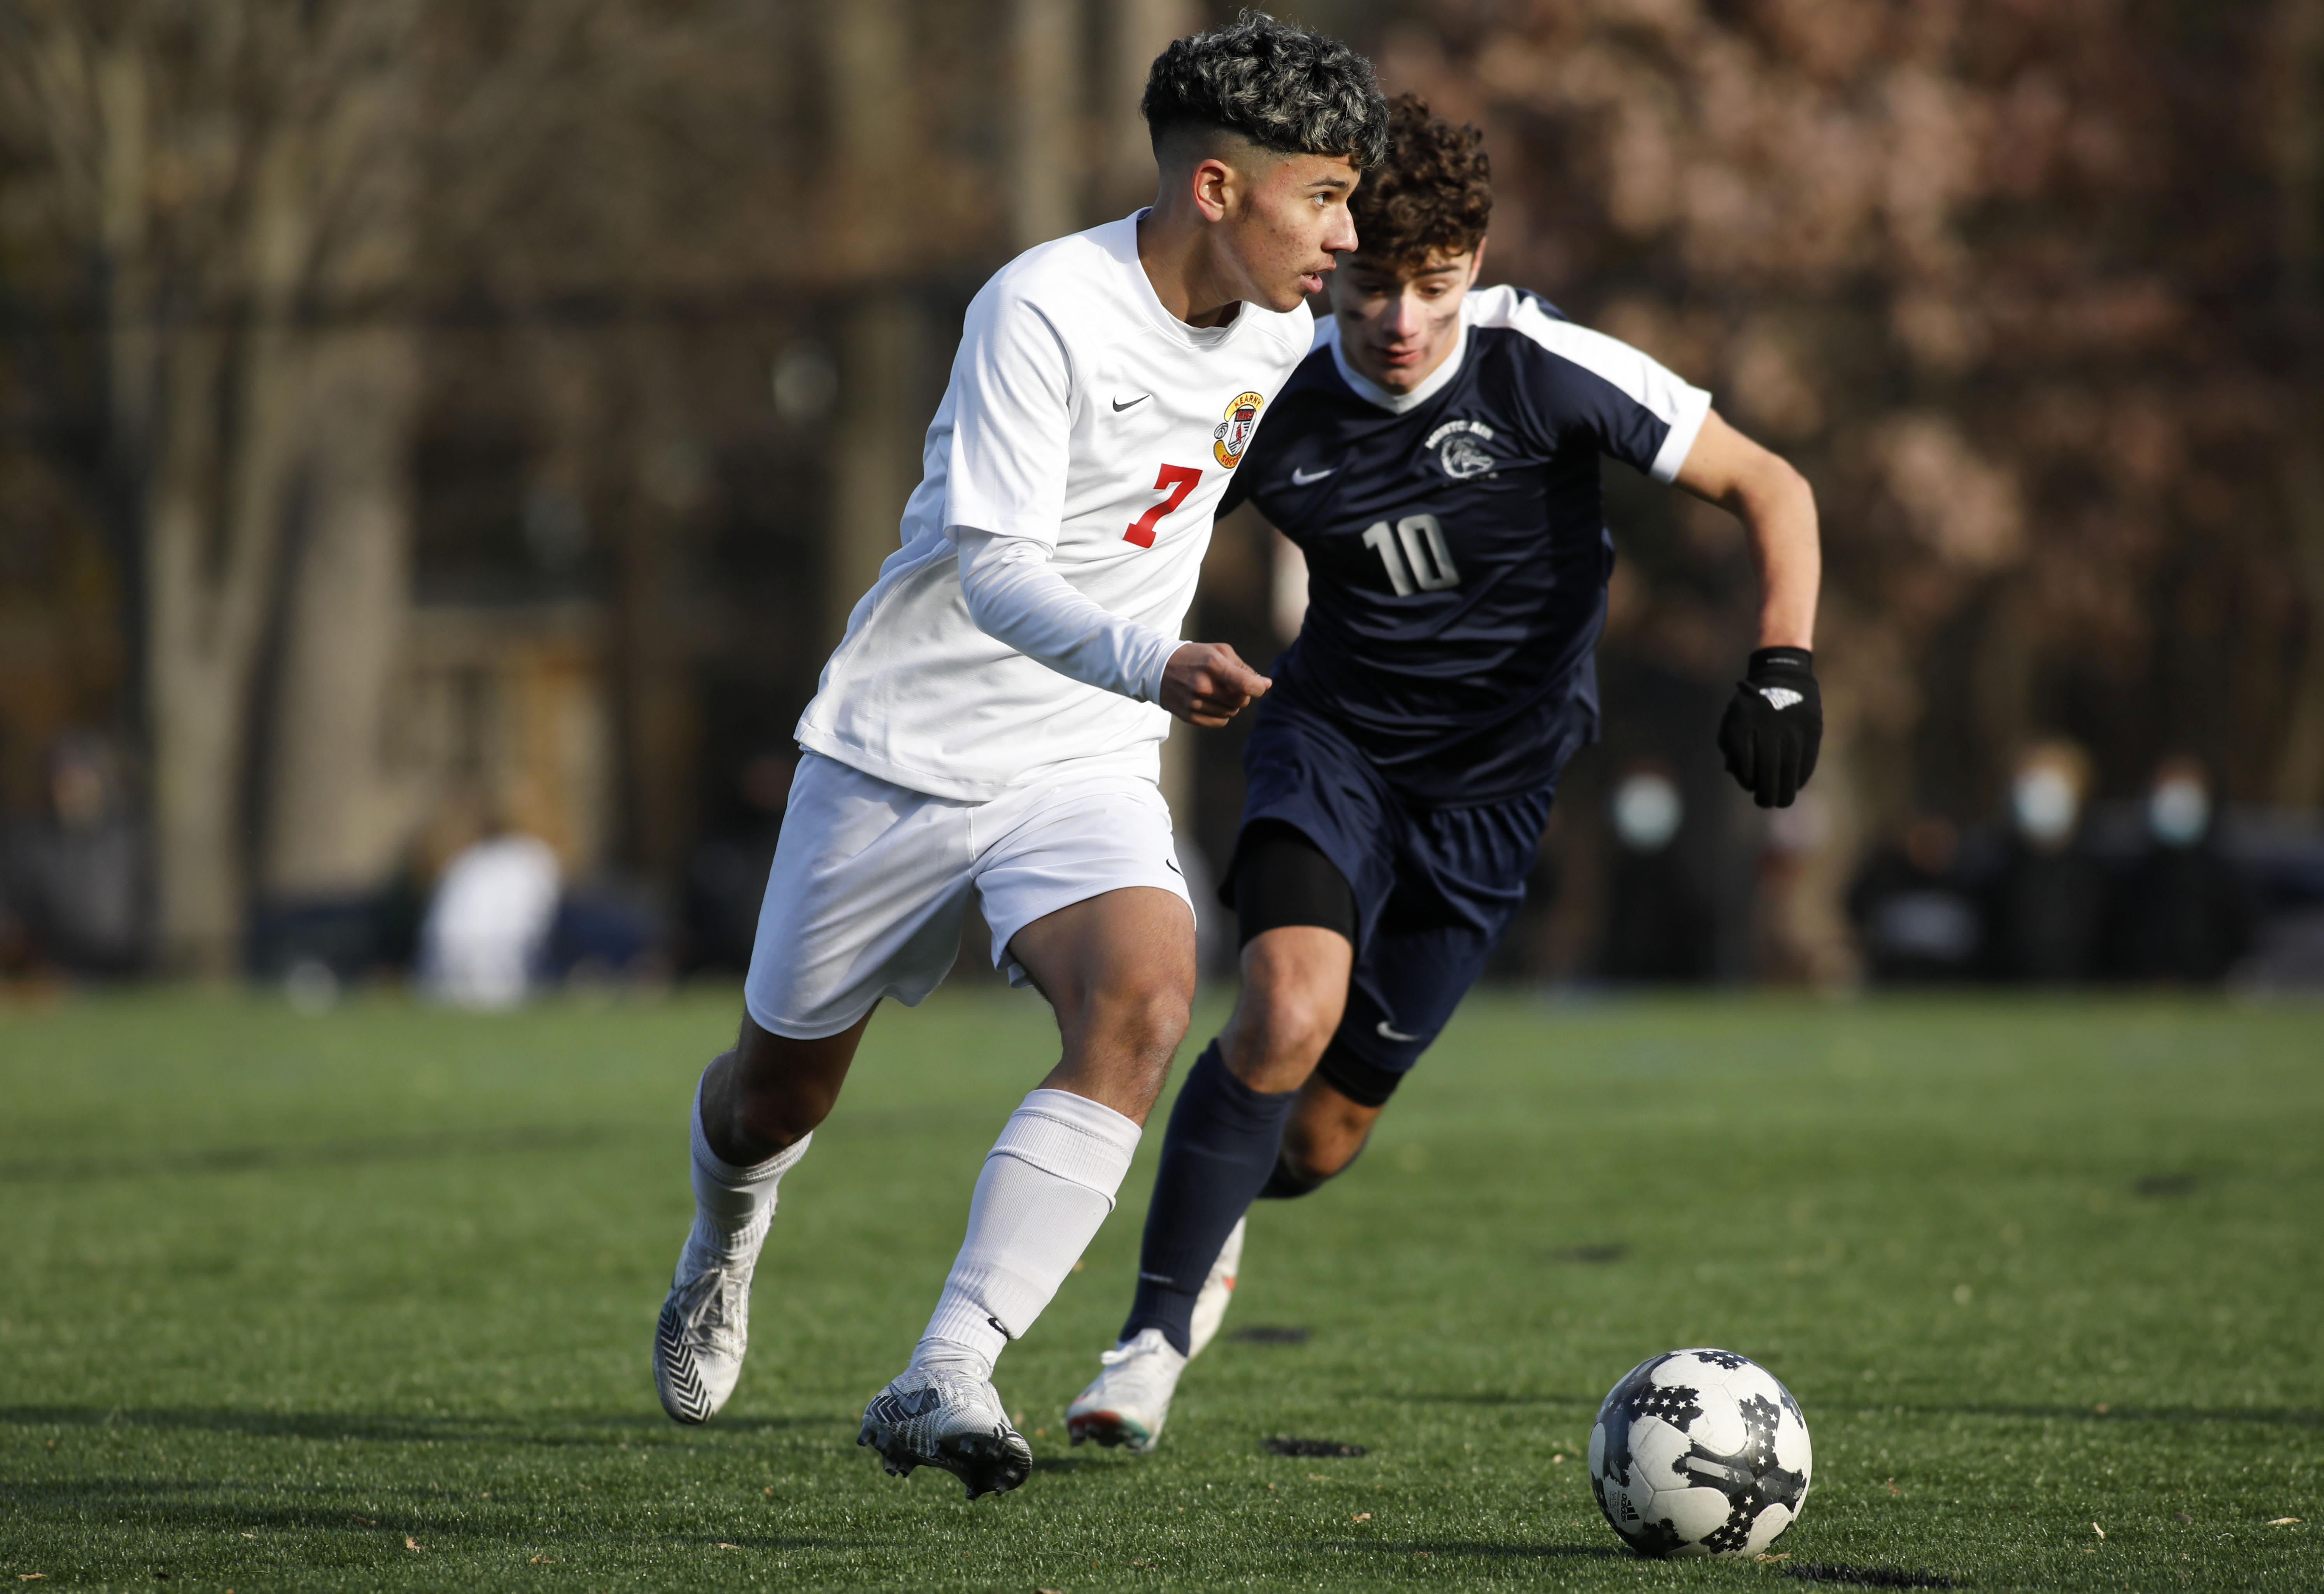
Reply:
x=1430, y=566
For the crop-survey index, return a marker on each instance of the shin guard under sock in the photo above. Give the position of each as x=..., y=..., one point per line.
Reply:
x=1047, y=1184
x=1220, y=1149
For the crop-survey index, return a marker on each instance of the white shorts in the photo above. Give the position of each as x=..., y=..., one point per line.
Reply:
x=872, y=881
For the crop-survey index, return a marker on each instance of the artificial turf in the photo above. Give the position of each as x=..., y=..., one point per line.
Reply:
x=364, y=1300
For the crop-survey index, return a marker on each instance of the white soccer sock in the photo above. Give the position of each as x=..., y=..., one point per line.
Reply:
x=1048, y=1184
x=733, y=1206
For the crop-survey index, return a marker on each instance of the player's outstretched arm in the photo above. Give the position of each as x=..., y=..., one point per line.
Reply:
x=1778, y=512
x=1016, y=597
x=1206, y=683
x=1774, y=727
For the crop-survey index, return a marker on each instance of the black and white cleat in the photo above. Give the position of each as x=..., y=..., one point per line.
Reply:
x=931, y=1417
x=698, y=1343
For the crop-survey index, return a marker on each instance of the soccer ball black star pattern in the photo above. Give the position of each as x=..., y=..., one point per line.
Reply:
x=1700, y=1453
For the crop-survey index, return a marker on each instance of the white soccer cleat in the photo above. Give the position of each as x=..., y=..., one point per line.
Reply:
x=935, y=1417
x=1218, y=1290
x=1126, y=1404
x=705, y=1328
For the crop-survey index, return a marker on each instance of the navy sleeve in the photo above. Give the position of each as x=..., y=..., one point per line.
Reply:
x=1237, y=493
x=1580, y=385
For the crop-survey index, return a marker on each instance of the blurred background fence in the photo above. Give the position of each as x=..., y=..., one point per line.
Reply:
x=425, y=425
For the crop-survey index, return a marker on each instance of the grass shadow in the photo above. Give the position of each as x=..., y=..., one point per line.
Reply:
x=578, y=1428
x=210, y=1507
x=2262, y=1416
x=1473, y=1548
x=336, y=1153
x=1865, y=1577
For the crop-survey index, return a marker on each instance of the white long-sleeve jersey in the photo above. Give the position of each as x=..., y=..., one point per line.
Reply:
x=1085, y=422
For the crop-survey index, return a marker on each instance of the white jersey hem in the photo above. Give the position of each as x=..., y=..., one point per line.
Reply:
x=1143, y=762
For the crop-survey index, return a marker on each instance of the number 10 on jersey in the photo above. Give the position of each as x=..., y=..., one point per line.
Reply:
x=1415, y=555
x=1177, y=480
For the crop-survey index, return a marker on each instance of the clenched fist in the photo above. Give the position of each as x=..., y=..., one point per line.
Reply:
x=1774, y=726
x=1206, y=683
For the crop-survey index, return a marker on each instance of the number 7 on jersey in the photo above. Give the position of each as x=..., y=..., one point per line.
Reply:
x=1177, y=480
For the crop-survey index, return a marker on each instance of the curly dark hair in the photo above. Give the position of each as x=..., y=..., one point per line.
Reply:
x=1433, y=195
x=1286, y=89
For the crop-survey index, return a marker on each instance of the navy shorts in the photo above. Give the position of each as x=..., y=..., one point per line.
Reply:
x=1434, y=889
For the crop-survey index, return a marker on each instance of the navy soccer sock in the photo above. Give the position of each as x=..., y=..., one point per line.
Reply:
x=1220, y=1147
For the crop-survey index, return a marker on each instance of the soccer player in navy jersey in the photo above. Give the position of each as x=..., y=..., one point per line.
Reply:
x=1436, y=459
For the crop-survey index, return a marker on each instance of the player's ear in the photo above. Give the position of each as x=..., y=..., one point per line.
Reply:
x=1215, y=186
x=1197, y=169
x=1476, y=264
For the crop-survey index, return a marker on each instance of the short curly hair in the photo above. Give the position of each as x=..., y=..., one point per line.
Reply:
x=1286, y=89
x=1433, y=196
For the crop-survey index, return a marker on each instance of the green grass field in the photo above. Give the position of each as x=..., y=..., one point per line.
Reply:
x=365, y=1301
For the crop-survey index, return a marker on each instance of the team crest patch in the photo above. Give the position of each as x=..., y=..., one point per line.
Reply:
x=1229, y=435
x=1460, y=449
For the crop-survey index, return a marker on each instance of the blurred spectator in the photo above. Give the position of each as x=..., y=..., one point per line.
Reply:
x=319, y=942
x=727, y=875
x=1801, y=934
x=1658, y=920
x=2186, y=912
x=606, y=933
x=78, y=880
x=2045, y=918
x=1918, y=919
x=488, y=924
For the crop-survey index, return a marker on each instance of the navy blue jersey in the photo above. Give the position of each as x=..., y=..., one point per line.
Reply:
x=1456, y=544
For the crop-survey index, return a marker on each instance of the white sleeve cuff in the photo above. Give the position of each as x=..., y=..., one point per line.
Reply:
x=1694, y=407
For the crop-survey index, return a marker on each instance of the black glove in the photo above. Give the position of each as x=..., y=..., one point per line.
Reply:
x=1775, y=726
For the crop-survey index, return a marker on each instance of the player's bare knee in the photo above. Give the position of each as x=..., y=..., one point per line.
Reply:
x=1139, y=1016
x=1276, y=1036
x=1152, y=1018
x=1299, y=1024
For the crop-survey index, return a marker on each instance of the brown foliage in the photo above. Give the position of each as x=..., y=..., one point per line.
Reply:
x=2022, y=286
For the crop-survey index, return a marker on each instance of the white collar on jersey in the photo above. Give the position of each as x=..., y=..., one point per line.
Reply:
x=1327, y=331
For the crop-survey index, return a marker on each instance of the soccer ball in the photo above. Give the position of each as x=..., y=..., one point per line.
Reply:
x=1700, y=1453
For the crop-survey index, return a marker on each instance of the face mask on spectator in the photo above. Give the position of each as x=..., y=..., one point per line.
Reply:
x=2045, y=804
x=1648, y=811
x=2179, y=810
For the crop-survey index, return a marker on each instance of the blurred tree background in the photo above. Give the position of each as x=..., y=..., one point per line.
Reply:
x=424, y=418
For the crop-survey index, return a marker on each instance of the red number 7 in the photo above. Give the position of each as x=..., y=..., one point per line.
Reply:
x=1177, y=480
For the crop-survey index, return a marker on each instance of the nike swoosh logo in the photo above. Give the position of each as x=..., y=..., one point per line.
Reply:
x=1306, y=479
x=1387, y=1031
x=1172, y=864
x=1121, y=405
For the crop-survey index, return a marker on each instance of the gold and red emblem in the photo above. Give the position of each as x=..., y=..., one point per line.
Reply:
x=1229, y=435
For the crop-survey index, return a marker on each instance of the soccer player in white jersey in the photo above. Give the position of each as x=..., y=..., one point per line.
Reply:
x=991, y=723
